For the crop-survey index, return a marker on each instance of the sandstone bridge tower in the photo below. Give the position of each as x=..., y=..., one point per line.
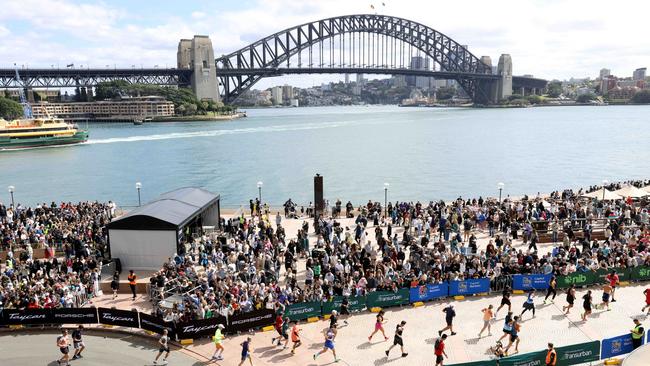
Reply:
x=197, y=54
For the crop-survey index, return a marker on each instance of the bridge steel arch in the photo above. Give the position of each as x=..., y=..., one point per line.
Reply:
x=240, y=70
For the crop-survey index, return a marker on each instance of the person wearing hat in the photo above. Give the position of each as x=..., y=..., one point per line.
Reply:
x=218, y=338
x=399, y=329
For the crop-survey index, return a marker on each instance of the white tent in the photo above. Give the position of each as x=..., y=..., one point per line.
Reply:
x=632, y=191
x=598, y=194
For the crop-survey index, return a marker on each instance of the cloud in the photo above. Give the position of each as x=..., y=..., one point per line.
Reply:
x=4, y=31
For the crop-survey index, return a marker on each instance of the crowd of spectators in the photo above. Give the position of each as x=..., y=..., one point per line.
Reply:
x=254, y=265
x=46, y=280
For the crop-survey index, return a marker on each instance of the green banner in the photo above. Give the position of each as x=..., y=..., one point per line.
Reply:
x=601, y=274
x=303, y=310
x=578, y=279
x=578, y=353
x=355, y=303
x=527, y=359
x=385, y=299
x=640, y=273
x=477, y=363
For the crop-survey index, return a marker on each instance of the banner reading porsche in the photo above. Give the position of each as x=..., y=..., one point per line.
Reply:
x=428, y=292
x=355, y=303
x=199, y=328
x=122, y=318
x=75, y=316
x=303, y=310
x=155, y=324
x=578, y=353
x=469, y=287
x=530, y=281
x=384, y=299
x=251, y=320
x=27, y=316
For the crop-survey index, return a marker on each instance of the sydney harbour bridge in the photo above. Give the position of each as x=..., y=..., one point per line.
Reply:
x=351, y=44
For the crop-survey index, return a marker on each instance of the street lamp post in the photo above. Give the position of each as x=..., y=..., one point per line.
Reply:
x=386, y=199
x=604, y=184
x=11, y=192
x=138, y=186
x=259, y=190
x=500, y=186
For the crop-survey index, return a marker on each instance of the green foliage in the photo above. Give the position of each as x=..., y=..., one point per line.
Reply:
x=444, y=92
x=641, y=97
x=586, y=98
x=185, y=102
x=554, y=89
x=535, y=99
x=10, y=109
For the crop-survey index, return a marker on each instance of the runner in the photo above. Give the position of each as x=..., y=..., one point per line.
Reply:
x=586, y=304
x=646, y=292
x=379, y=326
x=330, y=334
x=552, y=289
x=529, y=304
x=505, y=300
x=607, y=292
x=218, y=338
x=279, y=322
x=246, y=351
x=164, y=347
x=613, y=281
x=399, y=329
x=514, y=335
x=334, y=319
x=551, y=355
x=507, y=326
x=439, y=350
x=345, y=309
x=285, y=333
x=78, y=342
x=570, y=299
x=64, y=347
x=295, y=337
x=487, y=320
x=450, y=313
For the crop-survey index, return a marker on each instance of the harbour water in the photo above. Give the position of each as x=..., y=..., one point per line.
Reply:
x=423, y=153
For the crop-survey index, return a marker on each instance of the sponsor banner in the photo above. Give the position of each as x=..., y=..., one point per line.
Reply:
x=251, y=320
x=156, y=325
x=578, y=279
x=469, y=287
x=384, y=299
x=578, y=353
x=27, y=316
x=428, y=292
x=355, y=303
x=612, y=347
x=199, y=328
x=303, y=310
x=640, y=273
x=75, y=316
x=601, y=274
x=527, y=359
x=122, y=318
x=530, y=281
x=477, y=363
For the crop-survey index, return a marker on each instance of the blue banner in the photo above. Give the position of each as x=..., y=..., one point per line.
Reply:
x=428, y=292
x=612, y=347
x=531, y=281
x=469, y=287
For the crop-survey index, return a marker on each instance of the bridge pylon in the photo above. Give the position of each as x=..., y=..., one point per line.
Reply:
x=197, y=55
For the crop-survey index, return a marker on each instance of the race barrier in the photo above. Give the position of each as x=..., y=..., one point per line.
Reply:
x=384, y=299
x=428, y=292
x=157, y=325
x=616, y=346
x=578, y=353
x=245, y=321
x=303, y=310
x=469, y=287
x=200, y=328
x=578, y=279
x=530, y=281
x=355, y=303
x=122, y=318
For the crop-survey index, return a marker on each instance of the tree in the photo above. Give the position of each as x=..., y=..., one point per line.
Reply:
x=554, y=89
x=445, y=92
x=586, y=98
x=641, y=97
x=535, y=99
x=9, y=109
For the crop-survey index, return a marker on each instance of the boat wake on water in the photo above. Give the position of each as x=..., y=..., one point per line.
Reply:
x=185, y=135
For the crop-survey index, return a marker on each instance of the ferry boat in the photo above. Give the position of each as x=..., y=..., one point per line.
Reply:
x=39, y=132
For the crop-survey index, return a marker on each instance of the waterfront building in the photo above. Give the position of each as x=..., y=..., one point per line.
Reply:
x=287, y=92
x=604, y=73
x=276, y=95
x=347, y=78
x=422, y=82
x=360, y=79
x=639, y=74
x=126, y=109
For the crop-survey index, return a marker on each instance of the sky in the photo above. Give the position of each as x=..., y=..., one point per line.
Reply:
x=551, y=39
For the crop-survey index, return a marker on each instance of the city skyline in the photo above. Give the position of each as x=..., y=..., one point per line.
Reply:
x=551, y=39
